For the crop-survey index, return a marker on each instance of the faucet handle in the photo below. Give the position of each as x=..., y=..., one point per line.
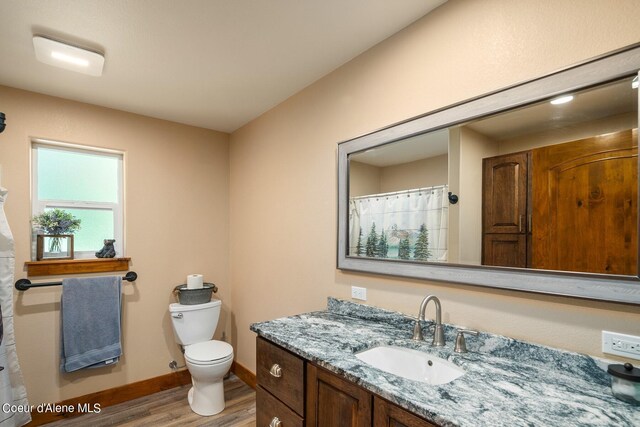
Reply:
x=461, y=344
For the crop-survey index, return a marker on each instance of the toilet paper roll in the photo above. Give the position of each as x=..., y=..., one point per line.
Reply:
x=194, y=281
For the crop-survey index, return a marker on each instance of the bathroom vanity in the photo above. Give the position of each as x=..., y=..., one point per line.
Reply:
x=308, y=374
x=330, y=399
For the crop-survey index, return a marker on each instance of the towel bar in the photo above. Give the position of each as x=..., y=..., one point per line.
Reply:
x=25, y=284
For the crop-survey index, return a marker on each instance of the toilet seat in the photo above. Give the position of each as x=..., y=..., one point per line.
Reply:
x=210, y=352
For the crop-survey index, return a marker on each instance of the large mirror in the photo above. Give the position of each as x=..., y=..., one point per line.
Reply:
x=532, y=188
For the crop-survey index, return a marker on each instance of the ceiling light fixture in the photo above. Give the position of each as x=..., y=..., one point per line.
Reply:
x=562, y=99
x=69, y=57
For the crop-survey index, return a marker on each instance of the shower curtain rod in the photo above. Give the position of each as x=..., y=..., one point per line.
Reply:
x=25, y=284
x=397, y=193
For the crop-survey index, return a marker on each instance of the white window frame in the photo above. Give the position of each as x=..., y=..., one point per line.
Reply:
x=38, y=206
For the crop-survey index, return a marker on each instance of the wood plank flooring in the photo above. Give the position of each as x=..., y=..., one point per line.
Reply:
x=170, y=408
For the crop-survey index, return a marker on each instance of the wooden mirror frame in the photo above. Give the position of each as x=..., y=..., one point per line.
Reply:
x=623, y=289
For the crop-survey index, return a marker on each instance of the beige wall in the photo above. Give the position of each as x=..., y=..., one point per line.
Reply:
x=473, y=148
x=364, y=179
x=176, y=212
x=421, y=173
x=454, y=187
x=461, y=50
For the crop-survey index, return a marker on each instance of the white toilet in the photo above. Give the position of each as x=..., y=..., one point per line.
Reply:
x=208, y=360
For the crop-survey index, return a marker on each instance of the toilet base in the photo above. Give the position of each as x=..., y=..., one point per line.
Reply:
x=208, y=399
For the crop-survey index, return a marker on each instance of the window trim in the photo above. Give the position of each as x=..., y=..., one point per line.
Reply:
x=38, y=206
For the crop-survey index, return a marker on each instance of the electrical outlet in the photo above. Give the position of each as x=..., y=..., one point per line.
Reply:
x=359, y=293
x=621, y=344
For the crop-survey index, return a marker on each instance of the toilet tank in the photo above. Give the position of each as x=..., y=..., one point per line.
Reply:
x=194, y=323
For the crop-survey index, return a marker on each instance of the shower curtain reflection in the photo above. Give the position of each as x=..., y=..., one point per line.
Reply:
x=404, y=225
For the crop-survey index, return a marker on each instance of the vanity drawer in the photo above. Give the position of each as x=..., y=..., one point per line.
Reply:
x=281, y=373
x=270, y=410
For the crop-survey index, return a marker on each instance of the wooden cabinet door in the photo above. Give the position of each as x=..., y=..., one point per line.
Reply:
x=386, y=414
x=335, y=402
x=505, y=210
x=504, y=193
x=505, y=250
x=585, y=205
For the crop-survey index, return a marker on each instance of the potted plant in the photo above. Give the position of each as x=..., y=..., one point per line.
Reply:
x=57, y=225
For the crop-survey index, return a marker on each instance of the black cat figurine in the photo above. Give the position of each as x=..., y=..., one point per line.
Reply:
x=107, y=251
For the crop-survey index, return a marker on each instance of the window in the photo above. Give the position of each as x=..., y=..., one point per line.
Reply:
x=85, y=182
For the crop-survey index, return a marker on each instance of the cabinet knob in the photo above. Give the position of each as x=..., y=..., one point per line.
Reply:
x=276, y=371
x=275, y=422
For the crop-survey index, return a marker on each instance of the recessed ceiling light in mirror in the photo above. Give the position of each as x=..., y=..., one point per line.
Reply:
x=562, y=100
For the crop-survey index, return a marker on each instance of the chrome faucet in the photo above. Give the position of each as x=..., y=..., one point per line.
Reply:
x=438, y=333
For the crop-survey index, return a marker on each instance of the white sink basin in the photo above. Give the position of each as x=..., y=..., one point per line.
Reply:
x=412, y=364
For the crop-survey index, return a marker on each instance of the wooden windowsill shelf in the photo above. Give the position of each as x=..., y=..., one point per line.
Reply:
x=76, y=266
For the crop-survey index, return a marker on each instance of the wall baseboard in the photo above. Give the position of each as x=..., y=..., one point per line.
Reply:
x=113, y=396
x=127, y=392
x=248, y=377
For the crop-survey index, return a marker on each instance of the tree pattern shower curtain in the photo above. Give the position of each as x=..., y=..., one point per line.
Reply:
x=408, y=225
x=12, y=390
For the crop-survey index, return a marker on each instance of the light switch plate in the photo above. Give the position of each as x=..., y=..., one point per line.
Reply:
x=621, y=344
x=359, y=293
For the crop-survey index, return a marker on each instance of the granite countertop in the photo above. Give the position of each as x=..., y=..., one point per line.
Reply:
x=507, y=382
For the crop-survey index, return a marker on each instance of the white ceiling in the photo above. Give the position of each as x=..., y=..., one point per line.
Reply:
x=589, y=105
x=216, y=64
x=415, y=148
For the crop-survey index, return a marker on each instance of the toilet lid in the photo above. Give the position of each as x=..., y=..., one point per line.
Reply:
x=208, y=351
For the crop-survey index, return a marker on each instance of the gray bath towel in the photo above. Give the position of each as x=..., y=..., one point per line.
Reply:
x=90, y=311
